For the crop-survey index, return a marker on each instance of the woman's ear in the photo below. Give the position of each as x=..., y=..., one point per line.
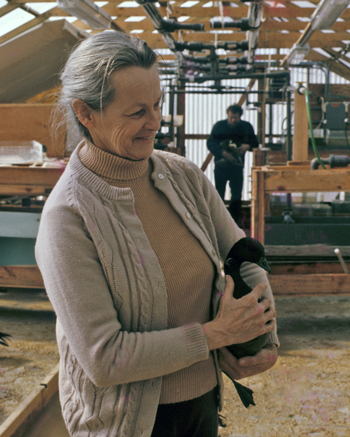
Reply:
x=84, y=113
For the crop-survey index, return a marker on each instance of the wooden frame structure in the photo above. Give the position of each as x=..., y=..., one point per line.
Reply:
x=31, y=407
x=26, y=122
x=288, y=179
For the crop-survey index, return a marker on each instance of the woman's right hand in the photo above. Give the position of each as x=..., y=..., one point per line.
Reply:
x=240, y=320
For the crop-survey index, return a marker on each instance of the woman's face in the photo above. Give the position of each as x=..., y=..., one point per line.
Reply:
x=128, y=125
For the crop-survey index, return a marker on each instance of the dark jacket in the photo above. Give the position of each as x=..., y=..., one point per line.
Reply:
x=240, y=133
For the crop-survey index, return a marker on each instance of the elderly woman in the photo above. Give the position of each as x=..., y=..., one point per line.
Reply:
x=129, y=247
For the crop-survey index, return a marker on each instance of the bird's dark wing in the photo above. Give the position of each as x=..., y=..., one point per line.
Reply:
x=3, y=337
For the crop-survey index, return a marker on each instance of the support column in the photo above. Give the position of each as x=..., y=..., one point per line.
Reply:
x=301, y=133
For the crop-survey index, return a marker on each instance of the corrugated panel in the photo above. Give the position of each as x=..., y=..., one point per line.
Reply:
x=203, y=110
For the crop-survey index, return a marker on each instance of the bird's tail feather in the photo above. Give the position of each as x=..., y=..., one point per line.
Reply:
x=3, y=337
x=245, y=393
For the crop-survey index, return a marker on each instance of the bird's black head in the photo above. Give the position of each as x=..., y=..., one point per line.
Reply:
x=246, y=249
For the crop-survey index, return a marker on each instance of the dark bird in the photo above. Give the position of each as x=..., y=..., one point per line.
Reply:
x=251, y=250
x=3, y=337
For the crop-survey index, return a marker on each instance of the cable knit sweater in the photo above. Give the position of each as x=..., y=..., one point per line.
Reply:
x=109, y=292
x=188, y=271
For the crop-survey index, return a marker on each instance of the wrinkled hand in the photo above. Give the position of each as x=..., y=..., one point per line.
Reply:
x=247, y=366
x=240, y=320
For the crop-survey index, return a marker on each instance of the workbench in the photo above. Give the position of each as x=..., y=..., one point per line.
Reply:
x=23, y=181
x=295, y=178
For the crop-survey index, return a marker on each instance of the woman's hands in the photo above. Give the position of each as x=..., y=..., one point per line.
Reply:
x=240, y=320
x=247, y=366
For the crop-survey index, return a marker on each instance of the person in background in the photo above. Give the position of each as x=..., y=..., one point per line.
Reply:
x=229, y=140
x=130, y=246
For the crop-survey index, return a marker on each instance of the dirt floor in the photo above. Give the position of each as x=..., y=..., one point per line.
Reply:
x=305, y=394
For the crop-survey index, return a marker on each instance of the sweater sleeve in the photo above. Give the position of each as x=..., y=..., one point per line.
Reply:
x=77, y=288
x=227, y=234
x=252, y=139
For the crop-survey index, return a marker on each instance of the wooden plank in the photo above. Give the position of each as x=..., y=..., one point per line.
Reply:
x=28, y=410
x=313, y=285
x=306, y=268
x=258, y=205
x=207, y=161
x=21, y=277
x=17, y=180
x=31, y=121
x=307, y=250
x=307, y=180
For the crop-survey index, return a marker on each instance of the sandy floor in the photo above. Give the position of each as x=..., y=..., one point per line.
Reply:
x=305, y=394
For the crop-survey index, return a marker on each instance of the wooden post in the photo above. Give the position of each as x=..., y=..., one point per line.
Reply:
x=181, y=105
x=258, y=205
x=301, y=135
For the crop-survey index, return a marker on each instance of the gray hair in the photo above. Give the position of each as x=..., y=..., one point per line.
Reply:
x=89, y=67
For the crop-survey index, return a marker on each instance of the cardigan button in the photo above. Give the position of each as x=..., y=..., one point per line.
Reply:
x=161, y=176
x=188, y=215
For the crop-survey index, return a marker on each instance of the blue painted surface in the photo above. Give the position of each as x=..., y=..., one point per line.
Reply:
x=18, y=231
x=17, y=251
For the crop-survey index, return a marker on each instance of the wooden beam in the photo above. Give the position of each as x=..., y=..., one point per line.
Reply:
x=311, y=285
x=31, y=121
x=283, y=179
x=27, y=26
x=28, y=181
x=21, y=277
x=28, y=410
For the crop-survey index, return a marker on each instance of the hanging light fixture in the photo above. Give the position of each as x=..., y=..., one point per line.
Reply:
x=297, y=53
x=327, y=12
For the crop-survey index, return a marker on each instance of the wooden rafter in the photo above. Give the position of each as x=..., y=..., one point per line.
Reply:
x=283, y=23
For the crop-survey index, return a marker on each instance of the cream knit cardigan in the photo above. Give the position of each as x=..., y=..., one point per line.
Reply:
x=107, y=289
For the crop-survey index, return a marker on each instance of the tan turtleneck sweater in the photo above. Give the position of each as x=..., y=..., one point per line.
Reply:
x=187, y=269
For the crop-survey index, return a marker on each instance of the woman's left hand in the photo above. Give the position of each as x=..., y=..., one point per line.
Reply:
x=247, y=366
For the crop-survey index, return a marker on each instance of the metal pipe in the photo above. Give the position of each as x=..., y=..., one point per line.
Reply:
x=341, y=260
x=333, y=161
x=202, y=79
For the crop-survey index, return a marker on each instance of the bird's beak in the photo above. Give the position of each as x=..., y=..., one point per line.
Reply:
x=264, y=264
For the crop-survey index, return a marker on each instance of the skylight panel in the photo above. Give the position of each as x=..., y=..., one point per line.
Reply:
x=69, y=19
x=221, y=31
x=3, y=3
x=14, y=19
x=128, y=4
x=322, y=52
x=189, y=4
x=135, y=19
x=304, y=19
x=208, y=5
x=303, y=4
x=137, y=31
x=183, y=18
x=265, y=51
x=41, y=7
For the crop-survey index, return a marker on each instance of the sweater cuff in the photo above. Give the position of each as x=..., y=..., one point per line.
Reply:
x=272, y=338
x=196, y=342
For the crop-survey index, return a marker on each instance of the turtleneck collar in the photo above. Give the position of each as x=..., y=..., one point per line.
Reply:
x=110, y=166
